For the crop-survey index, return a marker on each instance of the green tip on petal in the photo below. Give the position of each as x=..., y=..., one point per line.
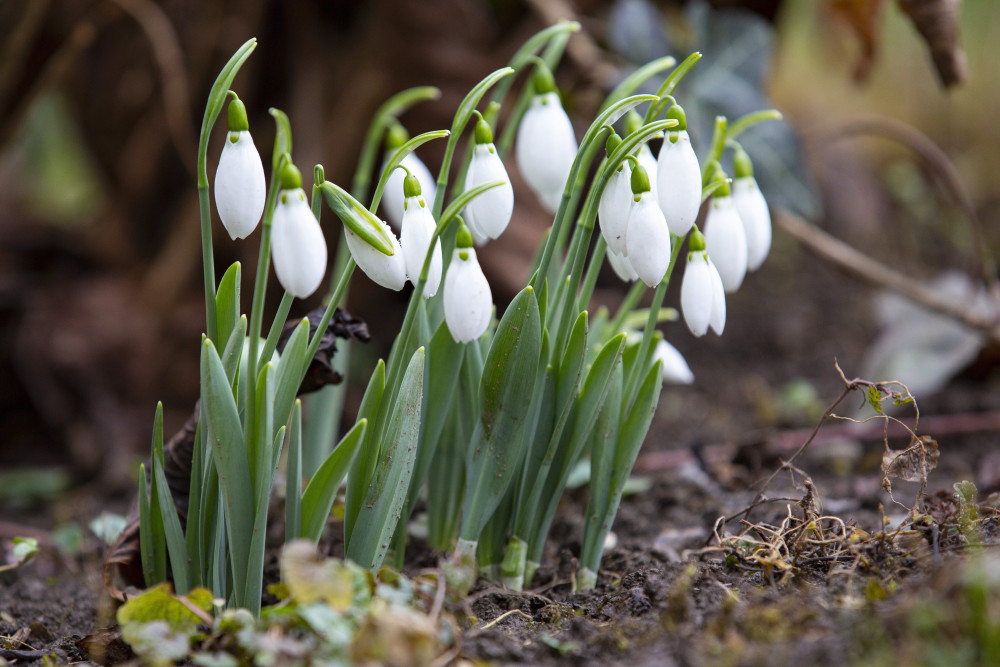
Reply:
x=543, y=81
x=633, y=121
x=290, y=177
x=676, y=112
x=236, y=115
x=396, y=136
x=723, y=189
x=464, y=237
x=742, y=164
x=696, y=241
x=411, y=186
x=640, y=180
x=484, y=133
x=612, y=143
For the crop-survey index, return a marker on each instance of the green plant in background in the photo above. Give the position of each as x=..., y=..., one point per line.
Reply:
x=485, y=418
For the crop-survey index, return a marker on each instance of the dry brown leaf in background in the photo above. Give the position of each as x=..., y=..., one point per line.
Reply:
x=913, y=463
x=937, y=23
x=864, y=19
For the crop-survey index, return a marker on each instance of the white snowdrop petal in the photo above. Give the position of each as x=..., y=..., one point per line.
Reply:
x=648, y=241
x=240, y=189
x=389, y=271
x=392, y=197
x=717, y=319
x=696, y=293
x=468, y=301
x=418, y=228
x=675, y=369
x=298, y=248
x=613, y=209
x=726, y=242
x=622, y=267
x=756, y=217
x=545, y=148
x=678, y=179
x=488, y=215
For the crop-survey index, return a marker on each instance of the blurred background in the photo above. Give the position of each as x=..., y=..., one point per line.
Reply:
x=888, y=145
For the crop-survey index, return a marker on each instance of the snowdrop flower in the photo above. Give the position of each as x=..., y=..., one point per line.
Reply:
x=240, y=189
x=488, y=214
x=392, y=198
x=389, y=271
x=674, y=369
x=703, y=300
x=468, y=301
x=753, y=210
x=616, y=200
x=678, y=176
x=726, y=240
x=622, y=267
x=418, y=228
x=546, y=144
x=298, y=248
x=648, y=237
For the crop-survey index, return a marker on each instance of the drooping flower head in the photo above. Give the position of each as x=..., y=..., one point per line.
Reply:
x=725, y=238
x=616, y=202
x=678, y=176
x=753, y=210
x=418, y=229
x=488, y=214
x=674, y=369
x=468, y=301
x=240, y=188
x=647, y=240
x=298, y=248
x=546, y=144
x=392, y=198
x=703, y=300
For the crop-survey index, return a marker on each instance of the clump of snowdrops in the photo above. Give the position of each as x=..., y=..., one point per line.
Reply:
x=483, y=413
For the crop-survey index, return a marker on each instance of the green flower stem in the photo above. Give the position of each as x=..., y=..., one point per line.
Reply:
x=715, y=152
x=638, y=371
x=277, y=325
x=637, y=78
x=462, y=116
x=390, y=109
x=741, y=124
x=628, y=304
x=669, y=84
x=528, y=50
x=590, y=277
x=397, y=160
x=216, y=98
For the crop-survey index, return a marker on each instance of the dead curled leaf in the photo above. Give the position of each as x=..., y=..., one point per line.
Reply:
x=937, y=23
x=913, y=463
x=863, y=17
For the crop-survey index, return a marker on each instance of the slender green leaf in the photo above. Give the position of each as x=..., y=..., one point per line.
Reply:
x=172, y=531
x=384, y=501
x=322, y=488
x=293, y=477
x=227, y=302
x=233, y=351
x=363, y=468
x=150, y=551
x=291, y=370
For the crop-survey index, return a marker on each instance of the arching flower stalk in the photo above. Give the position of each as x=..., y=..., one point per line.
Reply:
x=488, y=215
x=546, y=143
x=678, y=176
x=298, y=248
x=240, y=188
x=418, y=229
x=753, y=210
x=725, y=238
x=393, y=198
x=703, y=300
x=468, y=301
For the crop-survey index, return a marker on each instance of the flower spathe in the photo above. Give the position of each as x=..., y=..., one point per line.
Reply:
x=468, y=301
x=613, y=209
x=674, y=368
x=418, y=229
x=393, y=197
x=726, y=241
x=298, y=248
x=389, y=271
x=240, y=188
x=545, y=148
x=678, y=179
x=756, y=218
x=648, y=240
x=703, y=301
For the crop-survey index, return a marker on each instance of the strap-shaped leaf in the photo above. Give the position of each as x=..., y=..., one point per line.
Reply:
x=227, y=302
x=291, y=370
x=151, y=548
x=384, y=501
x=506, y=391
x=225, y=439
x=363, y=467
x=322, y=488
x=293, y=476
x=171, y=527
x=233, y=351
